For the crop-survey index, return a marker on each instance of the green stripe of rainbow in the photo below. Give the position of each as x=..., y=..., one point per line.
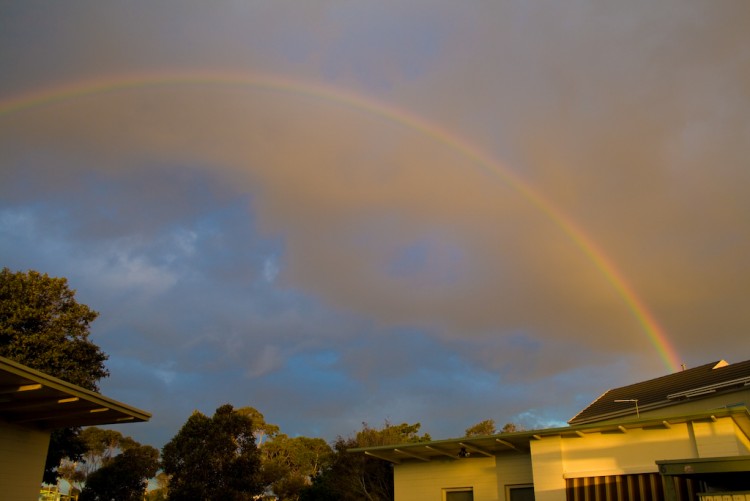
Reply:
x=606, y=267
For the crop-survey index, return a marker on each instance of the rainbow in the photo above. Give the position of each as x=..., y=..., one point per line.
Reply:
x=117, y=83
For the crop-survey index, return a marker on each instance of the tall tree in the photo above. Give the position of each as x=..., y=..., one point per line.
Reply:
x=511, y=427
x=290, y=464
x=356, y=477
x=486, y=427
x=102, y=447
x=213, y=458
x=124, y=477
x=161, y=493
x=262, y=430
x=43, y=327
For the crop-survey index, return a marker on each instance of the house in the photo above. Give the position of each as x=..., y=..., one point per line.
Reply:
x=674, y=437
x=32, y=404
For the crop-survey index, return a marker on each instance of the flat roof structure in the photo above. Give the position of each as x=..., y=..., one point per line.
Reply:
x=32, y=398
x=491, y=445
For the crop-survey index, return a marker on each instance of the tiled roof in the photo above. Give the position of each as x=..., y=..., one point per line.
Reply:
x=672, y=389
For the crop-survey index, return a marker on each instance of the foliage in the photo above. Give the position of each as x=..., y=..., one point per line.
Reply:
x=289, y=464
x=511, y=427
x=69, y=471
x=63, y=443
x=161, y=493
x=390, y=434
x=262, y=430
x=101, y=447
x=111, y=464
x=486, y=427
x=124, y=477
x=157, y=495
x=43, y=327
x=354, y=477
x=213, y=458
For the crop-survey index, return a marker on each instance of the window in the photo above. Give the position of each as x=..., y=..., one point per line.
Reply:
x=519, y=492
x=459, y=494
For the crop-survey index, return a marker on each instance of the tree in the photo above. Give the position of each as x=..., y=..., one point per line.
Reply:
x=356, y=477
x=486, y=427
x=43, y=327
x=124, y=477
x=213, y=458
x=511, y=427
x=69, y=471
x=64, y=443
x=102, y=448
x=290, y=464
x=161, y=493
x=262, y=430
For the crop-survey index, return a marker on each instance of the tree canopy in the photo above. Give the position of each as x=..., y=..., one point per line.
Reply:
x=43, y=327
x=101, y=449
x=124, y=477
x=486, y=427
x=290, y=464
x=262, y=430
x=213, y=458
x=356, y=477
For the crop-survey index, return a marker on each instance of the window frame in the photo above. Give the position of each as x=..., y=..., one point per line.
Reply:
x=448, y=490
x=510, y=487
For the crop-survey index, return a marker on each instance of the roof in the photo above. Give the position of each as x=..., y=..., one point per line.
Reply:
x=672, y=389
x=33, y=398
x=698, y=466
x=519, y=442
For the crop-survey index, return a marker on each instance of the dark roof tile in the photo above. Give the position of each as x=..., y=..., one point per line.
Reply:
x=666, y=390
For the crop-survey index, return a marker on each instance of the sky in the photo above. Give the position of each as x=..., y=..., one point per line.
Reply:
x=342, y=212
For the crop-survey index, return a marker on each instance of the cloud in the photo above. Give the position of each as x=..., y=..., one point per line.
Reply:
x=347, y=263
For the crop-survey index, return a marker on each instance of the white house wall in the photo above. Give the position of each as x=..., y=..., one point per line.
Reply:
x=426, y=481
x=548, y=467
x=616, y=453
x=557, y=458
x=719, y=438
x=578, y=453
x=513, y=469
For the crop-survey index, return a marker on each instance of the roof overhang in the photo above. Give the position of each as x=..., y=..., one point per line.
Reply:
x=32, y=398
x=520, y=442
x=701, y=466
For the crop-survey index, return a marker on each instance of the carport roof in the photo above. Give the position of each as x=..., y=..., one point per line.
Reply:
x=519, y=442
x=33, y=398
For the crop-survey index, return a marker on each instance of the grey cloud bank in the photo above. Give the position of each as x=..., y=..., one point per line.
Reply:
x=329, y=265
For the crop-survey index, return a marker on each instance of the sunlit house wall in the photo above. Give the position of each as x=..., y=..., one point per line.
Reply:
x=22, y=454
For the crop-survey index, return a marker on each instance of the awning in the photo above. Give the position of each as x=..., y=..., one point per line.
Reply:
x=519, y=442
x=701, y=466
x=33, y=398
